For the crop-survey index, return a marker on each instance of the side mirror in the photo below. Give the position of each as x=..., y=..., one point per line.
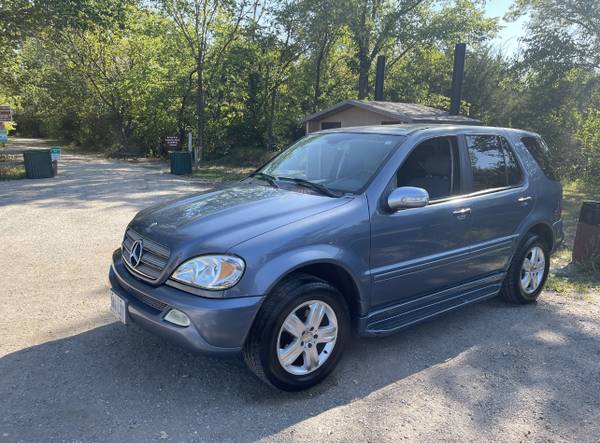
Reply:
x=407, y=197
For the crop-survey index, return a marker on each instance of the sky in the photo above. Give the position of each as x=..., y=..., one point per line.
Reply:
x=508, y=37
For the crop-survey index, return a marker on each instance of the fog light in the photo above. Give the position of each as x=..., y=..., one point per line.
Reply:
x=177, y=318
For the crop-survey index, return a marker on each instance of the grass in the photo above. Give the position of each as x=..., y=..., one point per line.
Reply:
x=222, y=173
x=578, y=280
x=11, y=167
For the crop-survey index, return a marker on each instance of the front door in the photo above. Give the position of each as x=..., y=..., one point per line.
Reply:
x=418, y=251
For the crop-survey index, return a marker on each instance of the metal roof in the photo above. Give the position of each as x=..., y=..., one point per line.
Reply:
x=410, y=112
x=410, y=128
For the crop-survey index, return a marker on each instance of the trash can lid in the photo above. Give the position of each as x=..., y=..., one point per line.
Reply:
x=35, y=151
x=590, y=213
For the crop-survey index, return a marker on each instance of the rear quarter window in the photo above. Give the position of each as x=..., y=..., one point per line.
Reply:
x=540, y=152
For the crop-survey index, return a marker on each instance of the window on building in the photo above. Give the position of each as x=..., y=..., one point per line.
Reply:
x=331, y=125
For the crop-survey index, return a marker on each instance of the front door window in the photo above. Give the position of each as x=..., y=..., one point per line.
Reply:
x=433, y=166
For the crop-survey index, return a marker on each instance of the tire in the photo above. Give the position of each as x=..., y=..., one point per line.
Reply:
x=298, y=294
x=514, y=289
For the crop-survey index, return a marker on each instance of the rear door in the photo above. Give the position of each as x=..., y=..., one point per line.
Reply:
x=500, y=199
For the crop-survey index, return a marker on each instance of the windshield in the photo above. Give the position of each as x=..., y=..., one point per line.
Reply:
x=343, y=162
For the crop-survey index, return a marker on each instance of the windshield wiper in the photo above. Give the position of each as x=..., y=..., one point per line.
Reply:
x=312, y=185
x=266, y=177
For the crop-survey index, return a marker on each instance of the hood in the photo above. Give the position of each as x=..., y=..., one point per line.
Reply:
x=218, y=220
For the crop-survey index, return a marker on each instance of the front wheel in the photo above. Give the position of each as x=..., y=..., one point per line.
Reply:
x=299, y=334
x=528, y=271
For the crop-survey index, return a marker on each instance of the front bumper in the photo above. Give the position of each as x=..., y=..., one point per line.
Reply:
x=218, y=326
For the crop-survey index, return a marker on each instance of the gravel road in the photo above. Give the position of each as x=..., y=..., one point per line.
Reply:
x=68, y=372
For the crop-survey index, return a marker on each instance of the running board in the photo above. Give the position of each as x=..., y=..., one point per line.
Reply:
x=394, y=318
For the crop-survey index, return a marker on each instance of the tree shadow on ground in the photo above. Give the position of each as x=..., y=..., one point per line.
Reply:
x=88, y=181
x=121, y=384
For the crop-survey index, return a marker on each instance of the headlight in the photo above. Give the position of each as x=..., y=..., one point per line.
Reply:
x=210, y=271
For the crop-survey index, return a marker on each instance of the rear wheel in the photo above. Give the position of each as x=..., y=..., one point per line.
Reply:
x=528, y=271
x=299, y=335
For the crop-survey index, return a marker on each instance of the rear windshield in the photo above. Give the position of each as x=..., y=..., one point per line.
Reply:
x=340, y=161
x=539, y=150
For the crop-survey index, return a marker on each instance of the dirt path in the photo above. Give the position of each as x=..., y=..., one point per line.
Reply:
x=68, y=372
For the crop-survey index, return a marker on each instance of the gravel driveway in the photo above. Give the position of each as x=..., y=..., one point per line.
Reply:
x=68, y=372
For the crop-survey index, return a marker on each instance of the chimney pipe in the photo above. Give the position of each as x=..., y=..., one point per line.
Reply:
x=457, y=77
x=379, y=76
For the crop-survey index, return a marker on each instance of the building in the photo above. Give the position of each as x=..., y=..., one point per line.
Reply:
x=363, y=113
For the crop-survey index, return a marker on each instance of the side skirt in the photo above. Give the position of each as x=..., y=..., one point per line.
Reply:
x=397, y=317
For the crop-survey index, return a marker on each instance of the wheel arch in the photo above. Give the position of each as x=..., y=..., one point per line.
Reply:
x=545, y=231
x=335, y=274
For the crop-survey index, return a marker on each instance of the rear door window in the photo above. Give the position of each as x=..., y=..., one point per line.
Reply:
x=539, y=151
x=493, y=163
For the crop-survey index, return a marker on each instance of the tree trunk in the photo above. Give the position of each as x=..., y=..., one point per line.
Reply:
x=124, y=133
x=364, y=65
x=319, y=62
x=199, y=110
x=270, y=139
x=181, y=114
x=124, y=129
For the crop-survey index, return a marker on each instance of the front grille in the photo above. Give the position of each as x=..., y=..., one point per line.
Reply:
x=154, y=256
x=157, y=305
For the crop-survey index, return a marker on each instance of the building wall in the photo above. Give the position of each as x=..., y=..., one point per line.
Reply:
x=353, y=116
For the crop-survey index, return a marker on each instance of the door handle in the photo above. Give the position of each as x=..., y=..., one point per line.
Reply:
x=462, y=213
x=526, y=199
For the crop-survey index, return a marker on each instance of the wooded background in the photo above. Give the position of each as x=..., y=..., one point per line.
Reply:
x=241, y=74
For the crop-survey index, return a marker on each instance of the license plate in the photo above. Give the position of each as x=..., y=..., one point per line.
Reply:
x=118, y=307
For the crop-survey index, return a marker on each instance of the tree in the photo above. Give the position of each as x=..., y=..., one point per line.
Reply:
x=198, y=21
x=559, y=77
x=563, y=33
x=319, y=24
x=399, y=26
x=20, y=19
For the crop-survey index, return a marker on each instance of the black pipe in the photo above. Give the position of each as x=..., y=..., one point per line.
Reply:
x=457, y=77
x=379, y=76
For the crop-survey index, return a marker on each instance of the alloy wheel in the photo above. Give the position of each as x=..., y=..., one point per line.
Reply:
x=532, y=270
x=307, y=337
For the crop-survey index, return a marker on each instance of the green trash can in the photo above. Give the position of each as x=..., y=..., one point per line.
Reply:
x=38, y=163
x=181, y=162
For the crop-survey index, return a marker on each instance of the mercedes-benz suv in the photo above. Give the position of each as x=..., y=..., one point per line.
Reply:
x=354, y=231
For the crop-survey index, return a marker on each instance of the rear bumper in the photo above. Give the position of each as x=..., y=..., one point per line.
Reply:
x=559, y=235
x=218, y=326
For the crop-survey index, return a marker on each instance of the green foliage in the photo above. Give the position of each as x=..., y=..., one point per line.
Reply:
x=588, y=135
x=562, y=33
x=241, y=74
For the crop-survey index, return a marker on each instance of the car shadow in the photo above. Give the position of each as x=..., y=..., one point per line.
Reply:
x=120, y=383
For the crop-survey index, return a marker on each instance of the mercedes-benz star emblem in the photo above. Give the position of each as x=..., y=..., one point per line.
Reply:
x=135, y=256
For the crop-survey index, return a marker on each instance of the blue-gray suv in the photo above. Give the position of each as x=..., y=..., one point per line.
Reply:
x=356, y=230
